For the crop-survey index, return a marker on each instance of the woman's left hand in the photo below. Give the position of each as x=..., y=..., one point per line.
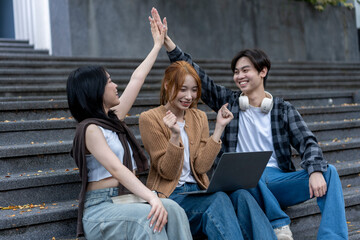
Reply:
x=158, y=34
x=158, y=214
x=224, y=115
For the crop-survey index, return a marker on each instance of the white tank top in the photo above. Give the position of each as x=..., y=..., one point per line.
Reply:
x=96, y=171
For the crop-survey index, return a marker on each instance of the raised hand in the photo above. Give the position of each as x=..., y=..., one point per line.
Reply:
x=155, y=15
x=158, y=34
x=169, y=44
x=224, y=115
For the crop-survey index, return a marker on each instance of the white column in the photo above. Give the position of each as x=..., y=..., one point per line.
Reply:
x=32, y=22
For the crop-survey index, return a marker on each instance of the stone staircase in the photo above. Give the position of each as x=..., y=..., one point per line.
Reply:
x=39, y=181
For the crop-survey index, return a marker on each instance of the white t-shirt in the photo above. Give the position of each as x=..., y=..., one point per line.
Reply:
x=255, y=133
x=186, y=175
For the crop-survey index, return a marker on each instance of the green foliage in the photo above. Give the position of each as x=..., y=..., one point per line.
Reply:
x=321, y=4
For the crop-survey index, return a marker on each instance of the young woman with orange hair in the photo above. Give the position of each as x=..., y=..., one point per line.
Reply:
x=176, y=136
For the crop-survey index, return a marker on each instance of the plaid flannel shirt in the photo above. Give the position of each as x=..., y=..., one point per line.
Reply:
x=287, y=125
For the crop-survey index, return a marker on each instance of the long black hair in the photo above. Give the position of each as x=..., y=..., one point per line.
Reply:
x=85, y=91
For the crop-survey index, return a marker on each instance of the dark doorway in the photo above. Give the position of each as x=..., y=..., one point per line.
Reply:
x=6, y=19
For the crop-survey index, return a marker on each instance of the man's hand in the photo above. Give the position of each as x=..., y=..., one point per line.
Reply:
x=317, y=185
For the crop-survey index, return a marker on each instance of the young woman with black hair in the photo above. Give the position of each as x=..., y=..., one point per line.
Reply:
x=107, y=153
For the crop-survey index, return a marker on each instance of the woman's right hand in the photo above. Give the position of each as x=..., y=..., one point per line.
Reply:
x=155, y=15
x=169, y=44
x=170, y=121
x=158, y=34
x=157, y=214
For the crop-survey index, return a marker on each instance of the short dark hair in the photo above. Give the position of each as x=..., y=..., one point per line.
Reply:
x=258, y=58
x=85, y=90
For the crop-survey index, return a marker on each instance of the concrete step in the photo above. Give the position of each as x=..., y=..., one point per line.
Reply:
x=32, y=98
x=330, y=113
x=7, y=50
x=32, y=85
x=60, y=77
x=34, y=110
x=159, y=71
x=339, y=151
x=333, y=130
x=66, y=65
x=311, y=85
x=43, y=222
x=299, y=99
x=58, y=108
x=12, y=40
x=21, y=54
x=35, y=148
x=33, y=162
x=349, y=172
x=204, y=63
x=35, y=62
x=13, y=45
x=149, y=89
x=35, y=136
x=50, y=186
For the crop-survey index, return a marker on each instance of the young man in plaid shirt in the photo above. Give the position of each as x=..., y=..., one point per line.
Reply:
x=261, y=123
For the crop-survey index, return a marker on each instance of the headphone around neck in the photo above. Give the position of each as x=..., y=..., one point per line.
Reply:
x=266, y=104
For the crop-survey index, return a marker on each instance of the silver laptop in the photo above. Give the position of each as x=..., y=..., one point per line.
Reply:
x=237, y=170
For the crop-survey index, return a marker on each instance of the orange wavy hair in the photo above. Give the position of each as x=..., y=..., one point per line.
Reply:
x=174, y=79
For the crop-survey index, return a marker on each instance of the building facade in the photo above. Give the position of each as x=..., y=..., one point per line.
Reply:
x=287, y=30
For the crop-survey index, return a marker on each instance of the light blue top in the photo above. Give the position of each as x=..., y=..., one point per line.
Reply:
x=96, y=171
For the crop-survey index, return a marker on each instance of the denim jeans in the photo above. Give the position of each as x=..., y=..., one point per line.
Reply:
x=290, y=188
x=105, y=220
x=224, y=216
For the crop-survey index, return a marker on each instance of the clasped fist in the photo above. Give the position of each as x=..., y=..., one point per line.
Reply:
x=170, y=120
x=224, y=115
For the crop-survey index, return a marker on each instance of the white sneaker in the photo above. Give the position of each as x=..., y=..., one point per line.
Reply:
x=283, y=233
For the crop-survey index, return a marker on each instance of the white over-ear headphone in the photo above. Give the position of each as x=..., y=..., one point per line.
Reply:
x=266, y=104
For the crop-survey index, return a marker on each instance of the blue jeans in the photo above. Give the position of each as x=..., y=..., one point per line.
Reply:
x=224, y=216
x=105, y=220
x=290, y=188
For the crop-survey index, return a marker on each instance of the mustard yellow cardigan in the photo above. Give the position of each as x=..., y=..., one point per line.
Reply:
x=167, y=159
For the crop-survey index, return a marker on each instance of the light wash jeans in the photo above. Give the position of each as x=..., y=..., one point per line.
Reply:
x=290, y=188
x=105, y=220
x=224, y=216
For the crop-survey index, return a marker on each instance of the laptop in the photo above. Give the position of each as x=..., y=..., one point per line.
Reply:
x=237, y=170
